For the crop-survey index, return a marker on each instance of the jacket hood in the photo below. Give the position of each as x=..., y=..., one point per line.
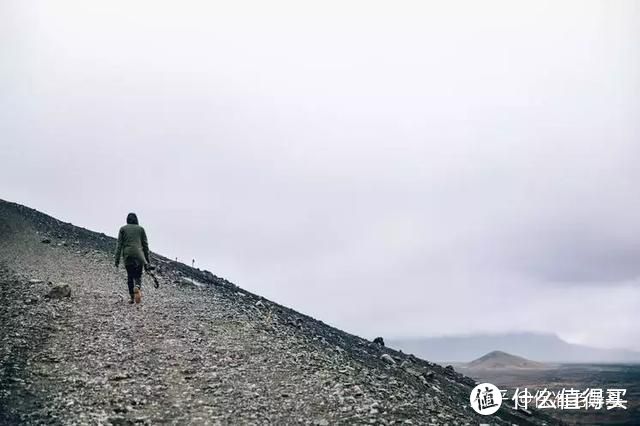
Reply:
x=132, y=219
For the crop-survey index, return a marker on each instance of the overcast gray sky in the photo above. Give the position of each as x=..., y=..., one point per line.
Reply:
x=393, y=168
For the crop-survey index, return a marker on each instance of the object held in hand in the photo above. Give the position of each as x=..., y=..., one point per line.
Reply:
x=156, y=283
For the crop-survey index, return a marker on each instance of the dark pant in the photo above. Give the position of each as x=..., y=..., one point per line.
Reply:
x=134, y=274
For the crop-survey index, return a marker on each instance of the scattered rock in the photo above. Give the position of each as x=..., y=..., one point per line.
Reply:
x=60, y=291
x=120, y=421
x=388, y=359
x=413, y=372
x=46, y=241
x=357, y=391
x=379, y=341
x=119, y=377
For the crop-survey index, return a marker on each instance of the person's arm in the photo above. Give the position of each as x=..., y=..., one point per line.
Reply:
x=119, y=248
x=145, y=246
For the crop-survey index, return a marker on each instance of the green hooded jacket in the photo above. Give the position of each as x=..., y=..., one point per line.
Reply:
x=132, y=244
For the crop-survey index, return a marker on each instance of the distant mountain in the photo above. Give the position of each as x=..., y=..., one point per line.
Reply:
x=540, y=347
x=499, y=360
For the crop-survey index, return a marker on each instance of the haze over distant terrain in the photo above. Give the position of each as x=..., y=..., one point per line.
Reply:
x=536, y=347
x=402, y=168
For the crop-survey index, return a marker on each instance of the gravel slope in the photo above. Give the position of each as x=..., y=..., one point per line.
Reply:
x=191, y=353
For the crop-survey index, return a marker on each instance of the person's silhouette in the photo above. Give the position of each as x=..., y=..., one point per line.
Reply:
x=133, y=246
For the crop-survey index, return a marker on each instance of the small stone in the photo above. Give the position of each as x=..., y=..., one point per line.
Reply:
x=388, y=359
x=119, y=377
x=118, y=421
x=428, y=374
x=379, y=341
x=357, y=391
x=413, y=372
x=46, y=241
x=60, y=291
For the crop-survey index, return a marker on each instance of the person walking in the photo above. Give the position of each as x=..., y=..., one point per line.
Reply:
x=133, y=247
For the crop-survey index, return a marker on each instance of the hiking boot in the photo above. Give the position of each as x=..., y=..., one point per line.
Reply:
x=137, y=294
x=131, y=300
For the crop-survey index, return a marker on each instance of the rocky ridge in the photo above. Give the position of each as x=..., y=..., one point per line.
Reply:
x=199, y=350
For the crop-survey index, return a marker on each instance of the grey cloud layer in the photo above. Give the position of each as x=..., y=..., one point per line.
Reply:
x=394, y=170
